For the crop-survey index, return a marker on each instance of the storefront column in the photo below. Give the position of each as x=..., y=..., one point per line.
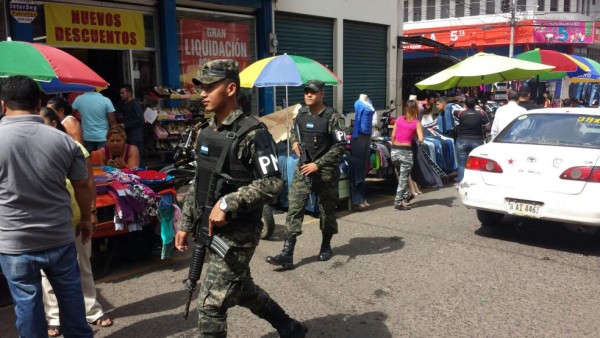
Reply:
x=264, y=27
x=168, y=43
x=20, y=31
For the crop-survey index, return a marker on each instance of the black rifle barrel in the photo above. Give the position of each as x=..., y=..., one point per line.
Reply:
x=194, y=274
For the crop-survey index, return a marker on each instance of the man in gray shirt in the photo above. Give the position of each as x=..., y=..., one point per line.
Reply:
x=35, y=212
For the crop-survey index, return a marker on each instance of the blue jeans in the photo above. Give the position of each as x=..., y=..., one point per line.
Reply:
x=91, y=145
x=463, y=148
x=24, y=281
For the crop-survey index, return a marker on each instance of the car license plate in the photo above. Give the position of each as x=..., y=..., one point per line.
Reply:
x=524, y=208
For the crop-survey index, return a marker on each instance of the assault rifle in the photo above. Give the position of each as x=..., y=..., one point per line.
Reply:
x=202, y=241
x=303, y=156
x=304, y=160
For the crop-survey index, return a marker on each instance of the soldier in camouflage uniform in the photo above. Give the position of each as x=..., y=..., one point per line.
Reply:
x=321, y=130
x=251, y=179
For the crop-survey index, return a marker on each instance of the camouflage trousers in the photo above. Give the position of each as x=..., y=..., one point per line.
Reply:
x=228, y=283
x=403, y=161
x=326, y=189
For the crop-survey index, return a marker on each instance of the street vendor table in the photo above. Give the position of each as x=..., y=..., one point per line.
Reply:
x=112, y=240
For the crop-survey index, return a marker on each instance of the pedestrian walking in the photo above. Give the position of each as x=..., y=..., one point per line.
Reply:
x=93, y=310
x=242, y=152
x=35, y=212
x=321, y=129
x=406, y=128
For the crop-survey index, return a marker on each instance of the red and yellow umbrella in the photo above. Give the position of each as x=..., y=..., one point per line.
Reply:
x=55, y=70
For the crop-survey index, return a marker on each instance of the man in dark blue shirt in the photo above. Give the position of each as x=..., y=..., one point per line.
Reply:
x=133, y=121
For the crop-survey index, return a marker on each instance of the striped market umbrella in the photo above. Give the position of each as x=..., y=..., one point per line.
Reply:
x=55, y=70
x=562, y=63
x=580, y=75
x=286, y=70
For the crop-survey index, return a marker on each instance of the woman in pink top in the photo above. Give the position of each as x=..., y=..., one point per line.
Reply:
x=405, y=130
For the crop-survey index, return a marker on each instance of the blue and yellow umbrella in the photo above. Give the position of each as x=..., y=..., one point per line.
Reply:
x=286, y=70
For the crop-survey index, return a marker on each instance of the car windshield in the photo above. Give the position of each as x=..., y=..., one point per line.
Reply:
x=568, y=129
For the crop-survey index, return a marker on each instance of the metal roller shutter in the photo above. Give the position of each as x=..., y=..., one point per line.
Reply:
x=365, y=63
x=306, y=36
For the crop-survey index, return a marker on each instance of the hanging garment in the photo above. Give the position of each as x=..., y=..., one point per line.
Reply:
x=425, y=172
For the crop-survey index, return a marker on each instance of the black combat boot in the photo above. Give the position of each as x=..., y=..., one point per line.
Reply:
x=286, y=257
x=325, y=253
x=286, y=327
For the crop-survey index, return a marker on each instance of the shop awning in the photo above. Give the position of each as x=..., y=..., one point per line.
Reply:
x=421, y=40
x=428, y=65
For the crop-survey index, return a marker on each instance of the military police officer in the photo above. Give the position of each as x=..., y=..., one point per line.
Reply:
x=321, y=130
x=240, y=150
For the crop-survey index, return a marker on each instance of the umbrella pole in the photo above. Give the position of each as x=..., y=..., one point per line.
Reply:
x=537, y=89
x=287, y=122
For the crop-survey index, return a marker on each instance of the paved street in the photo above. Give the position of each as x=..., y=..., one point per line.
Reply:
x=428, y=272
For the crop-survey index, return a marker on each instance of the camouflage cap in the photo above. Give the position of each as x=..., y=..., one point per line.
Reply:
x=216, y=70
x=314, y=85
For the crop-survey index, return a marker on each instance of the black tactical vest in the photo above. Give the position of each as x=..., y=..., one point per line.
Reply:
x=313, y=131
x=210, y=145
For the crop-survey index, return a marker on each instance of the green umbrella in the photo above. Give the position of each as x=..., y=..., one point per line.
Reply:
x=483, y=68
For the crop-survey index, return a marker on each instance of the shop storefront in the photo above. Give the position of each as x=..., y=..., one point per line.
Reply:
x=569, y=37
x=119, y=43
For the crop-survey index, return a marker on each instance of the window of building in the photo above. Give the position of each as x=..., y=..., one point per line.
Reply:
x=490, y=6
x=505, y=6
x=521, y=5
x=474, y=8
x=567, y=5
x=459, y=10
x=205, y=36
x=541, y=5
x=405, y=10
x=445, y=9
x=553, y=5
x=417, y=10
x=430, y=9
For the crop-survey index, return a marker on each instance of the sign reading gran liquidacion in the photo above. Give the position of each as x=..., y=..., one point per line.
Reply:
x=81, y=26
x=202, y=41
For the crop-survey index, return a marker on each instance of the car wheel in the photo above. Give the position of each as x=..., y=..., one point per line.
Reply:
x=268, y=222
x=489, y=218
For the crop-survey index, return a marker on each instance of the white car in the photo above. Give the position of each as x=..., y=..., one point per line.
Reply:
x=545, y=165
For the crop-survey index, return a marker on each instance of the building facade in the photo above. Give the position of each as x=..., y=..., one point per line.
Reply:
x=172, y=38
x=473, y=26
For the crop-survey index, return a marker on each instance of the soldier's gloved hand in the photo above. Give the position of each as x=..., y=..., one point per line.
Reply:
x=181, y=242
x=296, y=148
x=217, y=217
x=309, y=168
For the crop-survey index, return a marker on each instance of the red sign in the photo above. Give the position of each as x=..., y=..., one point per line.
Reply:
x=202, y=41
x=596, y=32
x=473, y=36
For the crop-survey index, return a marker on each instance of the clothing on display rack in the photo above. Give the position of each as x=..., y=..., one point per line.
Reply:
x=425, y=171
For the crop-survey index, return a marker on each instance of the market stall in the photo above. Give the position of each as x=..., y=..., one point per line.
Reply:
x=134, y=208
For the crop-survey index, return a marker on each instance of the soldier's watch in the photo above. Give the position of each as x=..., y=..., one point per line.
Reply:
x=223, y=204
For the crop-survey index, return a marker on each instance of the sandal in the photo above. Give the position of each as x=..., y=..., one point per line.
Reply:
x=103, y=321
x=54, y=330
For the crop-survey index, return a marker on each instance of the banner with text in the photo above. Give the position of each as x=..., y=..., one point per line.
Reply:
x=552, y=31
x=471, y=36
x=202, y=41
x=81, y=26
